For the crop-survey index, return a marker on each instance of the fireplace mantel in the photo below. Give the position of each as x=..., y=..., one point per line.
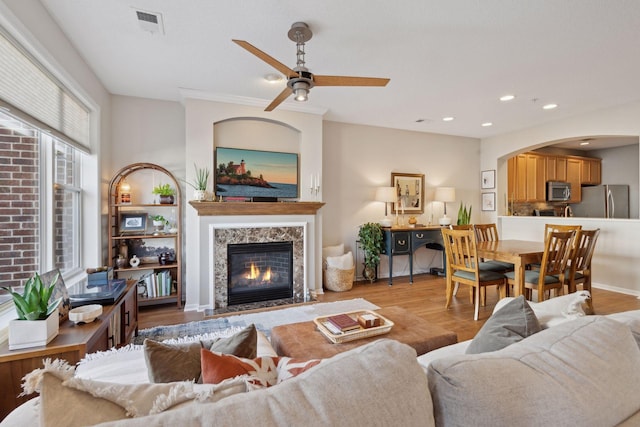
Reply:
x=255, y=208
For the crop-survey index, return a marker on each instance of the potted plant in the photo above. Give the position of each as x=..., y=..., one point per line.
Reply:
x=37, y=321
x=371, y=241
x=158, y=222
x=199, y=184
x=464, y=215
x=166, y=192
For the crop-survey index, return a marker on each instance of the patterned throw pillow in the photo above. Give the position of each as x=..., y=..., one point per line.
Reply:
x=261, y=371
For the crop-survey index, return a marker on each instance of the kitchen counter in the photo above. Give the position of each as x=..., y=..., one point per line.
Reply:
x=617, y=255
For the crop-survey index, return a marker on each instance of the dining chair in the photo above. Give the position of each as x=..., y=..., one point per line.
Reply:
x=558, y=248
x=579, y=271
x=489, y=233
x=463, y=266
x=555, y=227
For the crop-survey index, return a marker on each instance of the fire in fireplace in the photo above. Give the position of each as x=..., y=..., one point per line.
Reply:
x=259, y=272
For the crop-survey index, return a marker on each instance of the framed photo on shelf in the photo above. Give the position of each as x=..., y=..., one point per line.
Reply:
x=133, y=222
x=488, y=179
x=488, y=201
x=409, y=191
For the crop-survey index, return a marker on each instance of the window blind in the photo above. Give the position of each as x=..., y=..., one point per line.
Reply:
x=27, y=87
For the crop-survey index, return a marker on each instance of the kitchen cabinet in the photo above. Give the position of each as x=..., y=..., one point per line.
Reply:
x=527, y=178
x=556, y=168
x=574, y=166
x=590, y=172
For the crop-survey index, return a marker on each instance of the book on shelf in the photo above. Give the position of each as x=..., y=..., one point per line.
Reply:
x=344, y=322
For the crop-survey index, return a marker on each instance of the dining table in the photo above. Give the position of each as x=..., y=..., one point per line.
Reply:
x=517, y=252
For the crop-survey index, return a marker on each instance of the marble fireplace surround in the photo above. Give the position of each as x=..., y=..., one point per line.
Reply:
x=222, y=235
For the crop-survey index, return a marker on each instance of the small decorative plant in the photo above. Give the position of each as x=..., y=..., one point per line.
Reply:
x=34, y=303
x=201, y=179
x=159, y=218
x=464, y=215
x=371, y=240
x=164, y=190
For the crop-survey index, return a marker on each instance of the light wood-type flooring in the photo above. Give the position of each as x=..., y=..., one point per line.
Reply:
x=425, y=297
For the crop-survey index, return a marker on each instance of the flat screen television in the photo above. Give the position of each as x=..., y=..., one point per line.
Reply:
x=255, y=173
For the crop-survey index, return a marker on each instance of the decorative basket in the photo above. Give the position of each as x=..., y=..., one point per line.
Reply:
x=338, y=280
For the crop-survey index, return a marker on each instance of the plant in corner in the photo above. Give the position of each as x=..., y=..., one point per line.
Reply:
x=199, y=184
x=371, y=240
x=166, y=192
x=464, y=215
x=37, y=322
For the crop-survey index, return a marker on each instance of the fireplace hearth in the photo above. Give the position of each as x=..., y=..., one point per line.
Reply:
x=259, y=272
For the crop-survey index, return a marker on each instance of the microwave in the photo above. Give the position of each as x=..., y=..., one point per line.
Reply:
x=558, y=191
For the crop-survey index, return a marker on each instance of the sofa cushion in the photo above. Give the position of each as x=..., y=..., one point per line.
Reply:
x=379, y=383
x=585, y=369
x=181, y=362
x=513, y=322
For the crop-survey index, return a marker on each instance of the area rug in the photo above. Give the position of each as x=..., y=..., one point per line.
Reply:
x=264, y=321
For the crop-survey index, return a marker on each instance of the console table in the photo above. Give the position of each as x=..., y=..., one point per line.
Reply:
x=117, y=324
x=406, y=240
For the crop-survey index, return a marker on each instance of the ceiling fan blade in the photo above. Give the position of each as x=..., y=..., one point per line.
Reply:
x=283, y=95
x=348, y=81
x=267, y=58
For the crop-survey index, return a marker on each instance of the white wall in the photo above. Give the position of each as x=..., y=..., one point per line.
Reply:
x=357, y=159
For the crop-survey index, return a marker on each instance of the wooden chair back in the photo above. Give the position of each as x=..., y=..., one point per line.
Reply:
x=461, y=227
x=461, y=251
x=560, y=227
x=584, y=248
x=486, y=232
x=557, y=252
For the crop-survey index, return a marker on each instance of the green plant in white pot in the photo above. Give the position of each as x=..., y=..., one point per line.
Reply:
x=199, y=183
x=37, y=321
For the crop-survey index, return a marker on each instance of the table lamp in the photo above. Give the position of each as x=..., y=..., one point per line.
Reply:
x=386, y=195
x=444, y=195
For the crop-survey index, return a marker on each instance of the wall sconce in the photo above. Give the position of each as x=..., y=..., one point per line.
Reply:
x=444, y=195
x=386, y=195
x=125, y=193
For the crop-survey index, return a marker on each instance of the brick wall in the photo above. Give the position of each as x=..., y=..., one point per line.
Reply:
x=19, y=203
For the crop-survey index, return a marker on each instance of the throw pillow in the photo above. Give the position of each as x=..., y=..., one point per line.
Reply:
x=217, y=367
x=261, y=371
x=512, y=323
x=341, y=262
x=181, y=362
x=336, y=250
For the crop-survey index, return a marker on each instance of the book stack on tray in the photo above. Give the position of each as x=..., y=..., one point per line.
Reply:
x=352, y=325
x=344, y=322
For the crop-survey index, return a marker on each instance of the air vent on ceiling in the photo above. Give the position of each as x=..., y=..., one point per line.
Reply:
x=150, y=21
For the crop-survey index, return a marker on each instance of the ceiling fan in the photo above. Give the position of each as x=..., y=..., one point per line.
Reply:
x=300, y=80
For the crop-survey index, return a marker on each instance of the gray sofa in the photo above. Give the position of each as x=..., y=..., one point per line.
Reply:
x=583, y=372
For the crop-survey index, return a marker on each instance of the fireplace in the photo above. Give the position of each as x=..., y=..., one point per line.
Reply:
x=259, y=271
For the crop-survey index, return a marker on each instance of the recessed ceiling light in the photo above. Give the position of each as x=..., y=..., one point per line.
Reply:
x=273, y=78
x=549, y=106
x=487, y=124
x=507, y=97
x=447, y=119
x=584, y=143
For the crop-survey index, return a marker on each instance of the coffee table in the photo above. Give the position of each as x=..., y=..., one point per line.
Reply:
x=304, y=341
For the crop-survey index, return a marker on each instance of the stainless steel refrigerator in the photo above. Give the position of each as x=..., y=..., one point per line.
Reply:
x=603, y=201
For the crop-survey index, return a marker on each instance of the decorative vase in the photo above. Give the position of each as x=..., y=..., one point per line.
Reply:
x=199, y=195
x=134, y=261
x=121, y=262
x=166, y=200
x=33, y=333
x=370, y=274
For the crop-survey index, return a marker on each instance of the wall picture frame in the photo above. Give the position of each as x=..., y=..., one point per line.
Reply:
x=488, y=179
x=488, y=201
x=133, y=222
x=409, y=191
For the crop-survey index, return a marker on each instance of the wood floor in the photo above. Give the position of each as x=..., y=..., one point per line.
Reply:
x=425, y=297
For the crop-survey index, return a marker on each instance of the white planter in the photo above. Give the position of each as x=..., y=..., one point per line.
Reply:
x=33, y=333
x=199, y=195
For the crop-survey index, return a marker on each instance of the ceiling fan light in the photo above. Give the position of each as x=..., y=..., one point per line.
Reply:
x=301, y=94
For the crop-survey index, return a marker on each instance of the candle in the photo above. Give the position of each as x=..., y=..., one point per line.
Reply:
x=311, y=181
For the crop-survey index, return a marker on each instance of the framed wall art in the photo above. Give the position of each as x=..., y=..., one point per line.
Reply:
x=488, y=179
x=488, y=201
x=409, y=191
x=133, y=222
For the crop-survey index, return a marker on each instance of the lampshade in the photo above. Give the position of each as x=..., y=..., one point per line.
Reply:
x=386, y=194
x=445, y=194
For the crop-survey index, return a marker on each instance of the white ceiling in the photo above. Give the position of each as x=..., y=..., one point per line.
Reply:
x=444, y=58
